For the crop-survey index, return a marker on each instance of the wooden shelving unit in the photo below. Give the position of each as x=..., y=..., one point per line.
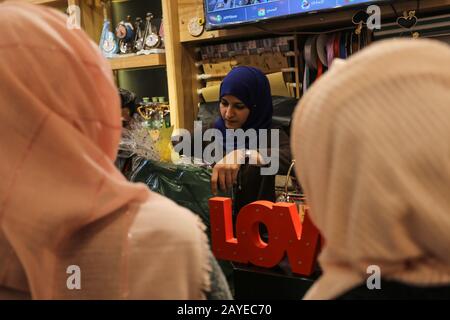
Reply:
x=180, y=45
x=44, y=1
x=50, y=2
x=141, y=61
x=91, y=13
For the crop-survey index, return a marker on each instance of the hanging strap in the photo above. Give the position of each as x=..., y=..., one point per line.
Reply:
x=322, y=49
x=319, y=69
x=311, y=52
x=330, y=49
x=337, y=45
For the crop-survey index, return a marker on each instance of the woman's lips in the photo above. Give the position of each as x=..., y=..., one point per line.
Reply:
x=230, y=124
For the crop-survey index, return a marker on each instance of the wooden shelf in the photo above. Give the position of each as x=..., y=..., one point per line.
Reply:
x=47, y=1
x=141, y=61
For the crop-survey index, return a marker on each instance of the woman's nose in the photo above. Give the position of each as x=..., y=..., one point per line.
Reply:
x=229, y=114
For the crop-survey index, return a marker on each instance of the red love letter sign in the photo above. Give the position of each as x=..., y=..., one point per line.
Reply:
x=252, y=247
x=224, y=244
x=286, y=235
x=302, y=241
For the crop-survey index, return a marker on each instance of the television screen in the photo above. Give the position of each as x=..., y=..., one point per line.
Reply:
x=223, y=13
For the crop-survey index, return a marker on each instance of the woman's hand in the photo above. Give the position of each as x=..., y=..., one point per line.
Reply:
x=225, y=172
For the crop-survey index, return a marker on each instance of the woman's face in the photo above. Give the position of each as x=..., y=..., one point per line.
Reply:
x=234, y=112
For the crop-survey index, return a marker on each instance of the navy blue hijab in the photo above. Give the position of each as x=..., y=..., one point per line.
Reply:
x=252, y=87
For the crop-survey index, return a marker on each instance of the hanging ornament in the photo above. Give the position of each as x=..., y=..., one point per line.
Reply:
x=151, y=39
x=196, y=26
x=408, y=20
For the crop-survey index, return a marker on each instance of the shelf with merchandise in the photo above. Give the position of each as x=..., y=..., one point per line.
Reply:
x=134, y=61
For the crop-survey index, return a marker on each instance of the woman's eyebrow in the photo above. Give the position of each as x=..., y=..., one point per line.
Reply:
x=236, y=104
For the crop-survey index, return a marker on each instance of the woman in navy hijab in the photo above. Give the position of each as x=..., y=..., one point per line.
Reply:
x=246, y=103
x=248, y=89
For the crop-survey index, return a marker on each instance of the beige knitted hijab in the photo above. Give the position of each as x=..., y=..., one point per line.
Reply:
x=372, y=144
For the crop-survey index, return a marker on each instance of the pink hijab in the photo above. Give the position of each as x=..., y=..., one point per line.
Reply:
x=62, y=201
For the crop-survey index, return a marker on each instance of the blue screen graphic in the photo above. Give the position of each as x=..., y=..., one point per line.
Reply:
x=220, y=13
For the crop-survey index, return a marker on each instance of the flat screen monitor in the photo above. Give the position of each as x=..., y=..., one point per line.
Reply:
x=226, y=13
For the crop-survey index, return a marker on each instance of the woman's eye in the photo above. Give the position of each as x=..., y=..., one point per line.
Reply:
x=224, y=103
x=240, y=107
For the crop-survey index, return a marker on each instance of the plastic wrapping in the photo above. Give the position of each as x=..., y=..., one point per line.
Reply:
x=187, y=184
x=152, y=144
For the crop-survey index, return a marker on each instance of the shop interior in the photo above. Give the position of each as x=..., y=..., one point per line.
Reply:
x=170, y=56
